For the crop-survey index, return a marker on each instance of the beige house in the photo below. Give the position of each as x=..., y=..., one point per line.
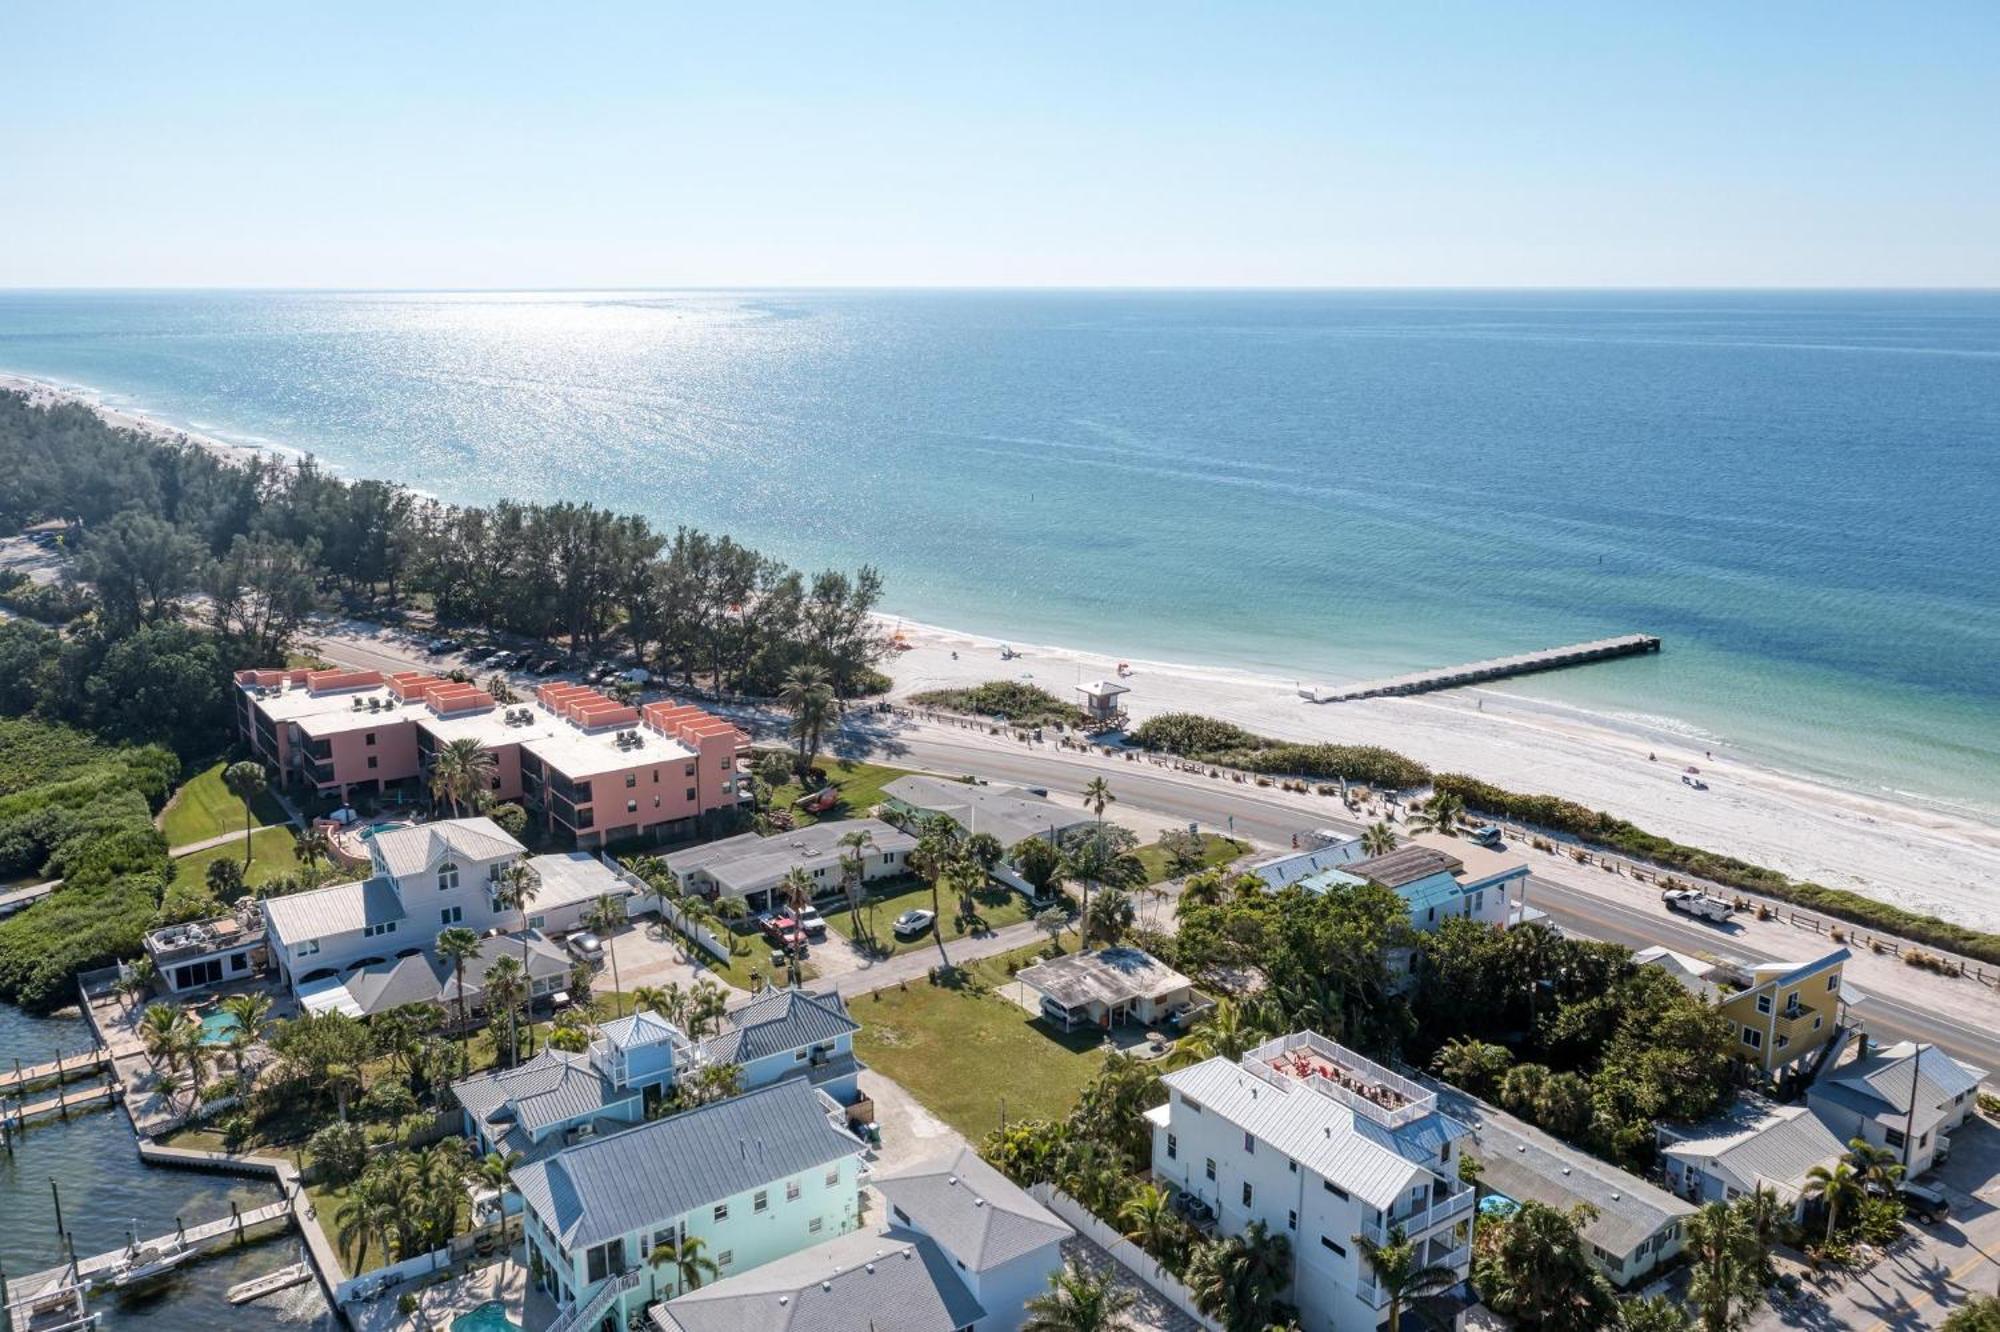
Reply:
x=1105, y=988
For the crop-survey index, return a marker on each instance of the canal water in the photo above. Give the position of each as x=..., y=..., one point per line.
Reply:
x=94, y=1163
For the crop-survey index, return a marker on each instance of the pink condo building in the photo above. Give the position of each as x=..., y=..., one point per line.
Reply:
x=588, y=765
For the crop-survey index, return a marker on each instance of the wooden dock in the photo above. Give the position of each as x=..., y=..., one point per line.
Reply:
x=270, y=1283
x=60, y=1069
x=15, y=1115
x=209, y=1235
x=1499, y=668
x=22, y=898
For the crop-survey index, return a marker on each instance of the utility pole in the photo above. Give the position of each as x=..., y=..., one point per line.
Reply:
x=1910, y=1117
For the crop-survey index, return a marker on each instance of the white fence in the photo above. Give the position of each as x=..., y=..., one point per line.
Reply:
x=375, y=1283
x=645, y=899
x=1127, y=1254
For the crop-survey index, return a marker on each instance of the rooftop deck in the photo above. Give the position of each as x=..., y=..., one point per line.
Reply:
x=1310, y=1060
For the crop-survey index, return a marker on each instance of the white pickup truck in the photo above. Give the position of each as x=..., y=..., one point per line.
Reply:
x=1700, y=905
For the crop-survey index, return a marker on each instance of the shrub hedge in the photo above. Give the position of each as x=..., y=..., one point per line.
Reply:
x=1009, y=700
x=1207, y=740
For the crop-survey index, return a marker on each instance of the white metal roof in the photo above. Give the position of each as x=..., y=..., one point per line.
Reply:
x=402, y=852
x=338, y=908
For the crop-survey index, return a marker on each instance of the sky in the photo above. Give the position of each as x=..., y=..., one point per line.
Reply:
x=1413, y=143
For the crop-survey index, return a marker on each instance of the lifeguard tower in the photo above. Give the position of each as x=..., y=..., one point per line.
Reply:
x=1102, y=709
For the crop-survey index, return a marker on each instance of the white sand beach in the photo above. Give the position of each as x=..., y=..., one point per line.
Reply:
x=45, y=393
x=1897, y=853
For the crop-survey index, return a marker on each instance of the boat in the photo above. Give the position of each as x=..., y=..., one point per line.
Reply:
x=143, y=1262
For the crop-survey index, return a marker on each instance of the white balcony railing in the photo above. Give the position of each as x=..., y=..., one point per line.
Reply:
x=587, y=1313
x=1416, y=1221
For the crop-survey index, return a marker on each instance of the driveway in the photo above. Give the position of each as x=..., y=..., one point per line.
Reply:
x=651, y=955
x=1933, y=1269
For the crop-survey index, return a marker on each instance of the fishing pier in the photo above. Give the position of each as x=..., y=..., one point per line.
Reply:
x=1478, y=672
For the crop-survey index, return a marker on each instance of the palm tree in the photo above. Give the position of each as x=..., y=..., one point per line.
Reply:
x=796, y=890
x=1401, y=1272
x=364, y=1214
x=462, y=774
x=1836, y=1187
x=1096, y=796
x=312, y=845
x=933, y=857
x=1080, y=1300
x=251, y=1012
x=1878, y=1167
x=496, y=1171
x=1228, y=1031
x=456, y=946
x=1239, y=1279
x=854, y=848
x=506, y=983
x=159, y=1028
x=1378, y=839
x=1442, y=813
x=1149, y=1221
x=606, y=914
x=807, y=694
x=516, y=891
x=1727, y=1277
x=1765, y=1215
x=690, y=1265
x=245, y=780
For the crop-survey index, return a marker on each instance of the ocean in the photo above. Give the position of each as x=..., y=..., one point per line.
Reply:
x=1797, y=491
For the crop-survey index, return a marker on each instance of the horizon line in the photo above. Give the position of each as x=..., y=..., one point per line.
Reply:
x=997, y=288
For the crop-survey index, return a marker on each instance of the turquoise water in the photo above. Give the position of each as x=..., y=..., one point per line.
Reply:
x=216, y=1026
x=370, y=831
x=1797, y=491
x=488, y=1317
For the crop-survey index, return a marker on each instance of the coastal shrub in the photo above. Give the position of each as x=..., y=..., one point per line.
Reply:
x=1009, y=699
x=1616, y=834
x=1209, y=740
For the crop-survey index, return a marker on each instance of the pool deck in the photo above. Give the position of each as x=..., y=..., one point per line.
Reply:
x=461, y=1292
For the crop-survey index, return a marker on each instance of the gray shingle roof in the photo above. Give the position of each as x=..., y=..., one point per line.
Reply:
x=1406, y=864
x=338, y=908
x=779, y=1022
x=1527, y=1164
x=643, y=1177
x=1011, y=813
x=408, y=980
x=405, y=851
x=975, y=1213
x=748, y=863
x=886, y=1281
x=1759, y=1144
x=1878, y=1085
x=551, y=1088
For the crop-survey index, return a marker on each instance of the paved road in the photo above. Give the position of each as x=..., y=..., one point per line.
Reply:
x=1264, y=815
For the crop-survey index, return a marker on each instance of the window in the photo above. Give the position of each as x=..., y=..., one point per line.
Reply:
x=631, y=779
x=604, y=1260
x=690, y=793
x=308, y=948
x=662, y=1237
x=451, y=915
x=812, y=1226
x=1208, y=1167
x=631, y=807
x=762, y=1201
x=370, y=738
x=447, y=877
x=690, y=771
x=371, y=761
x=537, y=922
x=1292, y=1166
x=1895, y=1138
x=725, y=1258
x=1335, y=1189
x=386, y=927
x=1248, y=1193
x=1291, y=1220
x=1763, y=1003
x=656, y=802
x=1816, y=1021
x=1833, y=982
x=1249, y=1145
x=833, y=1177
x=1173, y=1148
x=791, y=1190
x=721, y=1212
x=1753, y=1038
x=1783, y=1040
x=1326, y=1242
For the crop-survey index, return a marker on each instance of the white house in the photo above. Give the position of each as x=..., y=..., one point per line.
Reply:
x=1756, y=1145
x=1108, y=987
x=1004, y=1244
x=1321, y=1145
x=756, y=1178
x=568, y=886
x=1906, y=1097
x=1438, y=878
x=426, y=879
x=1321, y=849
x=748, y=867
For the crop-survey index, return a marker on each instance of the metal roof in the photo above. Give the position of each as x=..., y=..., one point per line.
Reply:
x=749, y=863
x=902, y=1281
x=407, y=980
x=644, y=1027
x=339, y=908
x=1321, y=1133
x=552, y=1088
x=1878, y=1085
x=1011, y=813
x=1758, y=1143
x=779, y=1022
x=1406, y=864
x=402, y=852
x=980, y=1217
x=1526, y=1164
x=647, y=1176
x=1293, y=866
x=1111, y=976
x=572, y=877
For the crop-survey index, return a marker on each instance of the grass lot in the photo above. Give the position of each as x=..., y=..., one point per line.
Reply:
x=998, y=907
x=1215, y=850
x=271, y=857
x=860, y=790
x=203, y=808
x=961, y=1049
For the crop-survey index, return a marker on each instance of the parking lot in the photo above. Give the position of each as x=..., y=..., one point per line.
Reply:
x=1933, y=1269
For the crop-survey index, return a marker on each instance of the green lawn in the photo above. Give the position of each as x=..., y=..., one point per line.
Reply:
x=860, y=790
x=271, y=857
x=998, y=906
x=963, y=1050
x=203, y=808
x=1215, y=850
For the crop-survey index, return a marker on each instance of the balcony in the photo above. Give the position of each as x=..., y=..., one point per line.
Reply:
x=587, y=1313
x=1416, y=1221
x=1307, y=1059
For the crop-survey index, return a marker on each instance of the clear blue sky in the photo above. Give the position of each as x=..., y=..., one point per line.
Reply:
x=445, y=145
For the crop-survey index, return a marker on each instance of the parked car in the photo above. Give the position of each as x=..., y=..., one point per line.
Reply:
x=812, y=922
x=585, y=946
x=1485, y=835
x=914, y=922
x=1691, y=902
x=1925, y=1202
x=1185, y=1015
x=782, y=930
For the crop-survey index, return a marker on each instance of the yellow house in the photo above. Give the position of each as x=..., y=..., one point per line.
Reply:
x=1789, y=1012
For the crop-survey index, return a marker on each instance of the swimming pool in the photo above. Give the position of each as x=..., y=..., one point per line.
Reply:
x=488, y=1317
x=1498, y=1206
x=216, y=1026
x=370, y=831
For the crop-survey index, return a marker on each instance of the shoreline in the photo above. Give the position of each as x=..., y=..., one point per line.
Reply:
x=1923, y=856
